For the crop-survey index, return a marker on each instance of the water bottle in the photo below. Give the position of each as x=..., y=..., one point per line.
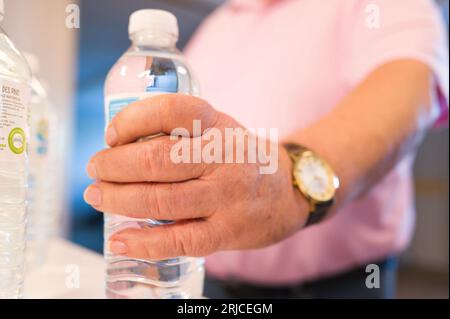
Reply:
x=152, y=66
x=42, y=213
x=15, y=78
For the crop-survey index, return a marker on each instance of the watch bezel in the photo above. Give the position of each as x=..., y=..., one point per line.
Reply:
x=332, y=178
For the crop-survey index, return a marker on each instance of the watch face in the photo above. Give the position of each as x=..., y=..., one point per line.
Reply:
x=315, y=177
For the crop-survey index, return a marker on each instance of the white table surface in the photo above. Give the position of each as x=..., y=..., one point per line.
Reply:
x=70, y=272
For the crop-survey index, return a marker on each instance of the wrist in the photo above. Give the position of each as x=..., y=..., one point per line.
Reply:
x=299, y=205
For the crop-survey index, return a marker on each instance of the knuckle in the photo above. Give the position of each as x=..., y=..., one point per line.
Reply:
x=195, y=200
x=144, y=158
x=168, y=105
x=165, y=150
x=173, y=199
x=189, y=241
x=113, y=203
x=146, y=198
x=150, y=250
x=212, y=241
x=180, y=199
x=164, y=200
x=181, y=244
x=98, y=161
x=198, y=242
x=149, y=159
x=120, y=124
x=195, y=107
x=117, y=119
x=204, y=111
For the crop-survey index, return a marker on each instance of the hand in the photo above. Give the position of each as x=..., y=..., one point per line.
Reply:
x=216, y=206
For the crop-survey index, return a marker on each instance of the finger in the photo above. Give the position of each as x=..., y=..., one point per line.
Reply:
x=191, y=239
x=155, y=160
x=154, y=201
x=159, y=114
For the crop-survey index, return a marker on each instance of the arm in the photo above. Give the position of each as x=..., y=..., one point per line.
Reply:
x=374, y=127
x=232, y=206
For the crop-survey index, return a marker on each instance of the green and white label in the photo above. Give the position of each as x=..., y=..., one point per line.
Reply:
x=17, y=140
x=14, y=98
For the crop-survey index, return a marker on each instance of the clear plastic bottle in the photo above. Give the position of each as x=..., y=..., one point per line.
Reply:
x=15, y=78
x=42, y=170
x=152, y=66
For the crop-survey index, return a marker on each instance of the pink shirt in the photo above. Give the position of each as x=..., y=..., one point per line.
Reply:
x=284, y=64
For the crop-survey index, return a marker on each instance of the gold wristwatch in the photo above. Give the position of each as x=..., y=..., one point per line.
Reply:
x=315, y=179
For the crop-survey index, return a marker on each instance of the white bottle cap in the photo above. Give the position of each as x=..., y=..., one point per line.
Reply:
x=33, y=62
x=153, y=20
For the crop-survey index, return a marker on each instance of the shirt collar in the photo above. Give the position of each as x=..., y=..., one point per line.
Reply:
x=251, y=4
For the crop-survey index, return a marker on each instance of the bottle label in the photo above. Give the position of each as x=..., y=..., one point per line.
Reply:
x=14, y=99
x=116, y=102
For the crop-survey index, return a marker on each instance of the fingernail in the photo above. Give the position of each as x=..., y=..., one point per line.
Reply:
x=91, y=171
x=93, y=195
x=111, y=136
x=118, y=247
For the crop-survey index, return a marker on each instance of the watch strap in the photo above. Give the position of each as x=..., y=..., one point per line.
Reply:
x=320, y=209
x=319, y=214
x=294, y=150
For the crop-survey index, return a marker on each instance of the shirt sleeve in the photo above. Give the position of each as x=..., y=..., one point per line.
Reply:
x=380, y=31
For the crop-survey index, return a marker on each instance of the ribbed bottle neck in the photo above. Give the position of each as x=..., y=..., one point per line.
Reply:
x=156, y=39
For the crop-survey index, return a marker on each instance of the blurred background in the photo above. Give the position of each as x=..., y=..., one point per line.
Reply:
x=74, y=62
